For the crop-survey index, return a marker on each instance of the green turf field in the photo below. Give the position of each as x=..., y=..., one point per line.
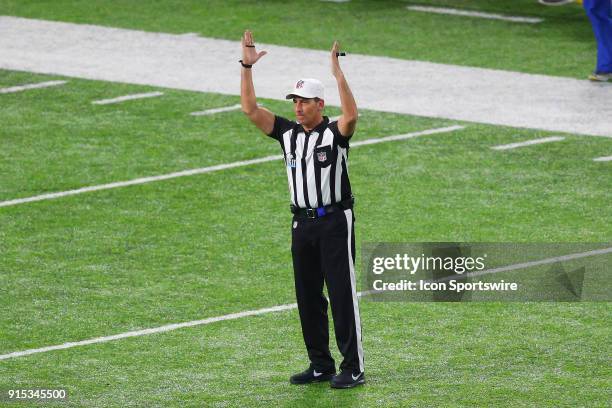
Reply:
x=173, y=251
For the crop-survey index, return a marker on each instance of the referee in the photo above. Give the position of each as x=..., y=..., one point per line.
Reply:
x=323, y=239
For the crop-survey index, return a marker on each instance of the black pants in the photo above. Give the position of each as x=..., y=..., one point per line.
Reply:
x=323, y=250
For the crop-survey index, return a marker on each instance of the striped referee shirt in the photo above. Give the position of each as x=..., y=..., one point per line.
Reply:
x=316, y=161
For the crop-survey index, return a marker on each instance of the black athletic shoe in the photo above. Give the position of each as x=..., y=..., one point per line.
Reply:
x=347, y=379
x=312, y=375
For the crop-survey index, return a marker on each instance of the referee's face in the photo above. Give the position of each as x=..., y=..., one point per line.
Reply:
x=308, y=112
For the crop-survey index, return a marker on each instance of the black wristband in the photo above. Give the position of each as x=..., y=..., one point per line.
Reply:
x=250, y=46
x=245, y=65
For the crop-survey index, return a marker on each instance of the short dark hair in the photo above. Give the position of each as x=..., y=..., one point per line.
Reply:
x=316, y=99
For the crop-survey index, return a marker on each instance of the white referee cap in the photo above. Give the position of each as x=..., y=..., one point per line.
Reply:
x=307, y=88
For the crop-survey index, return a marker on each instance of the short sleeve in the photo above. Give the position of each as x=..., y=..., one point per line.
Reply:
x=281, y=125
x=339, y=139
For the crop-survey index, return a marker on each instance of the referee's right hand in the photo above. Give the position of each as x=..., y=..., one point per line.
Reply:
x=249, y=55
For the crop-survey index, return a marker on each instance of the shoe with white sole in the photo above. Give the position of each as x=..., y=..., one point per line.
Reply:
x=601, y=76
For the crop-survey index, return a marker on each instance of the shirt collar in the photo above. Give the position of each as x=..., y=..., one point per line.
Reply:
x=319, y=128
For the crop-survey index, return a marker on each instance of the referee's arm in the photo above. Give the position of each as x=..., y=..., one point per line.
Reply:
x=348, y=120
x=261, y=117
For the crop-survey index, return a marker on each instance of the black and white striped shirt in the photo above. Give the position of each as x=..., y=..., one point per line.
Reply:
x=316, y=161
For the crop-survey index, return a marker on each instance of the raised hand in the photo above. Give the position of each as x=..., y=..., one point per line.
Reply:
x=335, y=64
x=249, y=55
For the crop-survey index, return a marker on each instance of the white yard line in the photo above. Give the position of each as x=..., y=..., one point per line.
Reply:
x=39, y=85
x=127, y=98
x=210, y=169
x=216, y=110
x=142, y=180
x=379, y=83
x=603, y=159
x=523, y=265
x=333, y=118
x=528, y=143
x=273, y=309
x=406, y=136
x=154, y=330
x=477, y=14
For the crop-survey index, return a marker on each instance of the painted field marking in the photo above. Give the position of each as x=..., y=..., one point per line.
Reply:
x=603, y=159
x=209, y=169
x=528, y=143
x=406, y=136
x=478, y=14
x=26, y=87
x=161, y=329
x=273, y=309
x=333, y=118
x=128, y=98
x=142, y=180
x=166, y=61
x=547, y=261
x=216, y=110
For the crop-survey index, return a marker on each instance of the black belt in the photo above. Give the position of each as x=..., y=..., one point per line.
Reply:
x=322, y=211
